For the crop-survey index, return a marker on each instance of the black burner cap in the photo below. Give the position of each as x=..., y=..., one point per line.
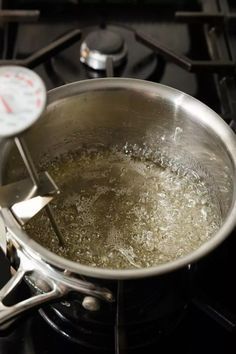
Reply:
x=105, y=41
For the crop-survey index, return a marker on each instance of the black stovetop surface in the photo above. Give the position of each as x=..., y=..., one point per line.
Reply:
x=210, y=319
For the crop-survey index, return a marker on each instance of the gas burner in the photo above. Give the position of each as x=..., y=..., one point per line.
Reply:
x=89, y=332
x=130, y=58
x=137, y=320
x=100, y=45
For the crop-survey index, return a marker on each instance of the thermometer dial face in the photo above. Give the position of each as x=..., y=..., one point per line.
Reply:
x=22, y=99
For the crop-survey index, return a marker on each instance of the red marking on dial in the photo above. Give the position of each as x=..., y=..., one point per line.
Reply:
x=29, y=82
x=38, y=102
x=6, y=105
x=18, y=77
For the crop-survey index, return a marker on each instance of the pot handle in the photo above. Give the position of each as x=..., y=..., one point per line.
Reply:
x=55, y=286
x=7, y=313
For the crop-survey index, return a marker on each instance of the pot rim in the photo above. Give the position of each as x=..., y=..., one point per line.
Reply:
x=213, y=120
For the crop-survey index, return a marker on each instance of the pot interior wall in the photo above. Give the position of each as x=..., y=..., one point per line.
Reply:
x=115, y=117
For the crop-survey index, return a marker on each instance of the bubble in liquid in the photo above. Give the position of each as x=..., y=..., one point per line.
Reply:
x=127, y=208
x=177, y=134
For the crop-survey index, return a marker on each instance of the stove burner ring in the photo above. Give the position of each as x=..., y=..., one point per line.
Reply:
x=100, y=45
x=139, y=61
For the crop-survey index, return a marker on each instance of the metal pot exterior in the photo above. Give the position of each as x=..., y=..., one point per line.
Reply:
x=116, y=111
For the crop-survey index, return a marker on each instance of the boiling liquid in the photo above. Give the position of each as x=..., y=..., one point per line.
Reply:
x=119, y=209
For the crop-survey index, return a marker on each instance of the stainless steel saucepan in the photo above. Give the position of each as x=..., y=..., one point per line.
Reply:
x=112, y=112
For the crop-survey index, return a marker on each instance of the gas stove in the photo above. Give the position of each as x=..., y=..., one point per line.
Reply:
x=190, y=46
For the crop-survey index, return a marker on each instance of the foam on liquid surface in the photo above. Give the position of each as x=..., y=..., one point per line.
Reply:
x=120, y=209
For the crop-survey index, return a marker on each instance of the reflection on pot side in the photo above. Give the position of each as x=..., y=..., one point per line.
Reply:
x=127, y=208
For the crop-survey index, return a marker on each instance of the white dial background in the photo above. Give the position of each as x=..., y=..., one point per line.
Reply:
x=22, y=99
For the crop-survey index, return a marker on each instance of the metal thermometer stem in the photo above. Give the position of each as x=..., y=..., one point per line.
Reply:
x=26, y=156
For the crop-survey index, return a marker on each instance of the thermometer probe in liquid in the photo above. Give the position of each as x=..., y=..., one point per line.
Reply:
x=22, y=102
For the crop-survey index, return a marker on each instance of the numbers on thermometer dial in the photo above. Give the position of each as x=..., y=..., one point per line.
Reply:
x=22, y=99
